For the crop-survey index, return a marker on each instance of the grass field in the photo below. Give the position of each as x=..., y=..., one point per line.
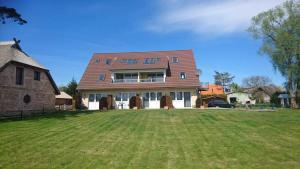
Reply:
x=153, y=139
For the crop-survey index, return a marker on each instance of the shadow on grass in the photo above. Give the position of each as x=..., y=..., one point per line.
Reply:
x=61, y=115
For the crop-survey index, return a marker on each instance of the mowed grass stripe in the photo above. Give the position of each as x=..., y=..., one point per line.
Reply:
x=153, y=139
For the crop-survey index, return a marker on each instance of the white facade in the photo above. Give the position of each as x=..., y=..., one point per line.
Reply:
x=240, y=97
x=182, y=98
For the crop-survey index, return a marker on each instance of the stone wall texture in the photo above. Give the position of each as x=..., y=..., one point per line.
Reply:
x=42, y=93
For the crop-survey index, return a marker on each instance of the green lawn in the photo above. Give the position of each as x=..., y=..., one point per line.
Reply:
x=153, y=139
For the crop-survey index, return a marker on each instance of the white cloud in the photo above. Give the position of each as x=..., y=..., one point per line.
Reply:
x=208, y=17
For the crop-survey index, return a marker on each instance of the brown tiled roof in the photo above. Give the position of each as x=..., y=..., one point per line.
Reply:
x=90, y=79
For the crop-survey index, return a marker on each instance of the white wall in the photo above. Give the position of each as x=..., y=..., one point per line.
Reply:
x=152, y=104
x=242, y=98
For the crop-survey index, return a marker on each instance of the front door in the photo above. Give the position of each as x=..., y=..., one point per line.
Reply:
x=187, y=99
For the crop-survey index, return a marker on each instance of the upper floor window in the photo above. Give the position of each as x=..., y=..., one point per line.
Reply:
x=101, y=77
x=175, y=59
x=19, y=76
x=182, y=75
x=108, y=61
x=37, y=75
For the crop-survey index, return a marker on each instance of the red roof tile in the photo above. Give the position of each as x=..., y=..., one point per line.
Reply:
x=97, y=66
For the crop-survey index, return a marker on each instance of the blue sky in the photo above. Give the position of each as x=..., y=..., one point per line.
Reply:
x=63, y=35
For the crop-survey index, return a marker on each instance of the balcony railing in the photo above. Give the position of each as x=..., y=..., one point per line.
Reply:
x=125, y=80
x=148, y=80
x=152, y=80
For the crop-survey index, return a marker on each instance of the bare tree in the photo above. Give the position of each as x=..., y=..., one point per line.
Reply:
x=256, y=81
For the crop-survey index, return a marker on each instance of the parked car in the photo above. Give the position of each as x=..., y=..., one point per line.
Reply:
x=220, y=103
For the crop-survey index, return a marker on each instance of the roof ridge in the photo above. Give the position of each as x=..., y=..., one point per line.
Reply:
x=144, y=51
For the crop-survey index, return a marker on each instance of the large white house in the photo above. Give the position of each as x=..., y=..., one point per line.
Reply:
x=149, y=75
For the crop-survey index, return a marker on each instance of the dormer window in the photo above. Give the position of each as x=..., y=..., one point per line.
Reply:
x=108, y=61
x=101, y=77
x=175, y=59
x=182, y=75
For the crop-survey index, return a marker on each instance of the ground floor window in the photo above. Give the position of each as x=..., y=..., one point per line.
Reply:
x=172, y=94
x=158, y=95
x=91, y=97
x=179, y=95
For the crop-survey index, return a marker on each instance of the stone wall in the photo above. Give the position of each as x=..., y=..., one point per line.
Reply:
x=42, y=93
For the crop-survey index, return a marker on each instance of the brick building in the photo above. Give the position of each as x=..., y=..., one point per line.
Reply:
x=25, y=85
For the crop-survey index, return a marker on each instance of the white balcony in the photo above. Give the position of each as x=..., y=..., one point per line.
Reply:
x=138, y=77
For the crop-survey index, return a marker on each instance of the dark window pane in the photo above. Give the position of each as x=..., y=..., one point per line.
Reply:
x=37, y=75
x=125, y=97
x=159, y=94
x=179, y=95
x=174, y=59
x=91, y=97
x=152, y=96
x=182, y=75
x=159, y=75
x=119, y=76
x=101, y=77
x=97, y=60
x=118, y=97
x=19, y=75
x=108, y=61
x=98, y=97
x=172, y=94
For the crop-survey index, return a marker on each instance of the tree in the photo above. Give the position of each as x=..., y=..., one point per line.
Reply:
x=234, y=87
x=279, y=30
x=10, y=13
x=70, y=88
x=223, y=78
x=256, y=81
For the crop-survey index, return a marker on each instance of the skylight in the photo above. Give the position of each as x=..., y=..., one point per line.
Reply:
x=129, y=61
x=108, y=61
x=174, y=59
x=101, y=77
x=151, y=60
x=97, y=60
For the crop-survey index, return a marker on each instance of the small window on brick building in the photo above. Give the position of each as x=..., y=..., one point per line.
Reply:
x=182, y=75
x=19, y=76
x=37, y=75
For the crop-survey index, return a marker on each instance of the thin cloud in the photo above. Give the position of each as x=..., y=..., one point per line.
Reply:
x=213, y=17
